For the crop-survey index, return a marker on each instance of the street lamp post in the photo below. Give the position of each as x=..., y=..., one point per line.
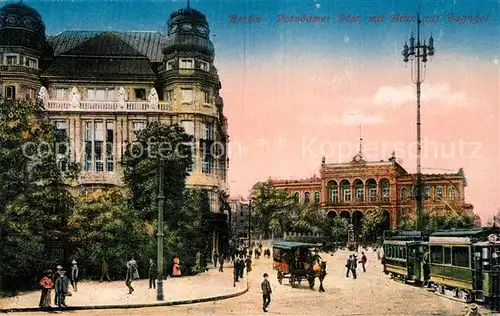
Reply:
x=418, y=53
x=250, y=223
x=161, y=200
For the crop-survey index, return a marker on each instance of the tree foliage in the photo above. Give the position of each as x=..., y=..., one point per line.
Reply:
x=374, y=224
x=271, y=205
x=34, y=199
x=440, y=220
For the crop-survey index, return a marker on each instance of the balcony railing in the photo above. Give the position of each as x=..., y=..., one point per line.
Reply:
x=19, y=68
x=128, y=106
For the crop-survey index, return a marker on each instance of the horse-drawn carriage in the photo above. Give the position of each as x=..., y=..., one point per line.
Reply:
x=296, y=261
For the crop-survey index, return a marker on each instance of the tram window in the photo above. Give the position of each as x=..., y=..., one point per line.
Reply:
x=437, y=254
x=404, y=253
x=398, y=252
x=461, y=256
x=447, y=255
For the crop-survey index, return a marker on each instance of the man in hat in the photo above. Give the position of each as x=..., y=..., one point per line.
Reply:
x=152, y=274
x=62, y=283
x=473, y=311
x=55, y=277
x=74, y=275
x=266, y=292
x=104, y=271
x=354, y=265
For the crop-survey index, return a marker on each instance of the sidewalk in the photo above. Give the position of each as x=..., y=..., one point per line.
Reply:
x=209, y=286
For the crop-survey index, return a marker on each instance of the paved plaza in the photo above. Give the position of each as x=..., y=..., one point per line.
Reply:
x=373, y=293
x=92, y=293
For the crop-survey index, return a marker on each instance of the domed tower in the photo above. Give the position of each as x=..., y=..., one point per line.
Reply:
x=190, y=85
x=22, y=47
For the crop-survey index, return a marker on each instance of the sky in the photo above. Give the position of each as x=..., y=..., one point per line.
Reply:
x=294, y=92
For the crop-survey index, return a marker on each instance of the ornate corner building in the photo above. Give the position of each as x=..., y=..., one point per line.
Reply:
x=101, y=87
x=351, y=189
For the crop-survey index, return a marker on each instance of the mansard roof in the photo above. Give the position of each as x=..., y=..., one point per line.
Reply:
x=100, y=68
x=147, y=44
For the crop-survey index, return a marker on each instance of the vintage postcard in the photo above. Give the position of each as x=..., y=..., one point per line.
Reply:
x=244, y=157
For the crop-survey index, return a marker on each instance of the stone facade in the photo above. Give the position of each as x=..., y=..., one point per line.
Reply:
x=100, y=88
x=240, y=213
x=350, y=189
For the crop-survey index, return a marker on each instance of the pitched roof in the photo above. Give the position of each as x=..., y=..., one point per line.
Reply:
x=148, y=44
x=105, y=44
x=104, y=68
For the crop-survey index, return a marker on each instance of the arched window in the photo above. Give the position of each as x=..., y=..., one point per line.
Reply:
x=386, y=190
x=404, y=194
x=296, y=196
x=307, y=199
x=333, y=192
x=427, y=192
x=452, y=194
x=345, y=187
x=316, y=197
x=439, y=191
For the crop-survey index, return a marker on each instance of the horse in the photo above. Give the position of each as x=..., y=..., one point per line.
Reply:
x=320, y=274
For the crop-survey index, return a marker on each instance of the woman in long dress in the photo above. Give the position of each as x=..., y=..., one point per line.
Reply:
x=46, y=284
x=176, y=271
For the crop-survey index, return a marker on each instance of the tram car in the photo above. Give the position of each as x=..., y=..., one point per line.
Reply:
x=463, y=264
x=404, y=256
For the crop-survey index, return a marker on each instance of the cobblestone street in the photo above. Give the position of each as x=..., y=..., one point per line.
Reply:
x=373, y=293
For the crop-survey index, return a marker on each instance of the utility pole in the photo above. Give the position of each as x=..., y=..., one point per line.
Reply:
x=161, y=201
x=417, y=54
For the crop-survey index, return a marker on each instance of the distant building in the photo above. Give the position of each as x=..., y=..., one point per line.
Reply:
x=240, y=213
x=351, y=189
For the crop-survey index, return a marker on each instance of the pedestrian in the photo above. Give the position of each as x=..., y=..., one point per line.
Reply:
x=152, y=274
x=236, y=272
x=46, y=284
x=62, y=284
x=221, y=263
x=250, y=253
x=348, y=266
x=74, y=275
x=215, y=258
x=129, y=277
x=248, y=263
x=104, y=271
x=266, y=292
x=378, y=254
x=363, y=261
x=473, y=311
x=354, y=265
x=176, y=268
x=55, y=277
x=241, y=266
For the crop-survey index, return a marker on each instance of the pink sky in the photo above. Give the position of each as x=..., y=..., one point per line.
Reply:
x=281, y=116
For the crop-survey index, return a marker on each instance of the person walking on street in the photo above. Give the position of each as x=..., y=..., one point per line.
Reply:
x=104, y=271
x=62, y=284
x=221, y=263
x=241, y=266
x=130, y=276
x=215, y=257
x=248, y=263
x=363, y=261
x=55, y=277
x=152, y=274
x=354, y=266
x=348, y=266
x=236, y=272
x=74, y=275
x=46, y=284
x=266, y=292
x=473, y=311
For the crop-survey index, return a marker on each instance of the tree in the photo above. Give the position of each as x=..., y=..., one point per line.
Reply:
x=33, y=193
x=311, y=220
x=440, y=220
x=270, y=204
x=157, y=143
x=374, y=224
x=103, y=227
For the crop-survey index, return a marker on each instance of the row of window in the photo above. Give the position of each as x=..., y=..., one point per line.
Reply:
x=188, y=63
x=450, y=255
x=307, y=197
x=109, y=94
x=99, y=142
x=10, y=93
x=428, y=192
x=395, y=252
x=19, y=60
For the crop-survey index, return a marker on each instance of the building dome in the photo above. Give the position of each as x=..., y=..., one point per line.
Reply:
x=188, y=31
x=21, y=25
